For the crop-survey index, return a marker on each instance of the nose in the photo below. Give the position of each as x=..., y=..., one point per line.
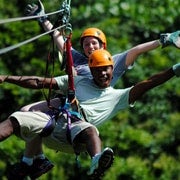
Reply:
x=91, y=45
x=103, y=72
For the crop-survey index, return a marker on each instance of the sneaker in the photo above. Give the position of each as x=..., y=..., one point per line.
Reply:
x=39, y=167
x=101, y=163
x=19, y=171
x=176, y=69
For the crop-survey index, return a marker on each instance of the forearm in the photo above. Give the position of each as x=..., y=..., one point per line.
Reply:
x=134, y=52
x=32, y=82
x=142, y=87
x=47, y=25
x=58, y=38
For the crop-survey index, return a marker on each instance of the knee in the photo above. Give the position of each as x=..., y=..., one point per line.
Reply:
x=85, y=134
x=7, y=128
x=91, y=131
x=88, y=133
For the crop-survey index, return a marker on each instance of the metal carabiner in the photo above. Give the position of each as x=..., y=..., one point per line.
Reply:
x=68, y=30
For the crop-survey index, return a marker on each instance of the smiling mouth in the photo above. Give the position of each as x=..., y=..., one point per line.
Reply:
x=103, y=79
x=89, y=52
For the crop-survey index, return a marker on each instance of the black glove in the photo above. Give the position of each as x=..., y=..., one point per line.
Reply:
x=36, y=10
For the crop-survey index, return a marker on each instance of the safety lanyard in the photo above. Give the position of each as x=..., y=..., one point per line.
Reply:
x=69, y=70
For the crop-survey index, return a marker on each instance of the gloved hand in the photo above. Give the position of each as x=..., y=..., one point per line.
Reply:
x=36, y=10
x=170, y=39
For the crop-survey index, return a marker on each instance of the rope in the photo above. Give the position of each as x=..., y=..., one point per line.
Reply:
x=63, y=19
x=27, y=17
x=9, y=48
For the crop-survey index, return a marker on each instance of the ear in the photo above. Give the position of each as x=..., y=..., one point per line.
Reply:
x=103, y=46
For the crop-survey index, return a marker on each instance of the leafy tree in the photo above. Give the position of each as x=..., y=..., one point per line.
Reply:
x=145, y=138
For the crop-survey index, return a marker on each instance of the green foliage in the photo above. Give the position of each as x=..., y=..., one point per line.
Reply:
x=145, y=138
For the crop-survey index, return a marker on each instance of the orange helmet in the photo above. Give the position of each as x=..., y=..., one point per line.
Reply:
x=95, y=32
x=99, y=58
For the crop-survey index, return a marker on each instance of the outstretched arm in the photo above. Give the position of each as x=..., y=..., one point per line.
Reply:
x=38, y=9
x=33, y=82
x=165, y=40
x=134, y=52
x=142, y=87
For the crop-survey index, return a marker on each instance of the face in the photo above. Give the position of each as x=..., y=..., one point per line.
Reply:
x=90, y=44
x=102, y=75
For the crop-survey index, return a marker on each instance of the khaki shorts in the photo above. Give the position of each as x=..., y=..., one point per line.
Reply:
x=32, y=123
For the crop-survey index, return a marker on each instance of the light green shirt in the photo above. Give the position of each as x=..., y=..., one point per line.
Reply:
x=98, y=104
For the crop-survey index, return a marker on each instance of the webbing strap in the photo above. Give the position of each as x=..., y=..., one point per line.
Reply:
x=50, y=60
x=71, y=115
x=68, y=132
x=69, y=69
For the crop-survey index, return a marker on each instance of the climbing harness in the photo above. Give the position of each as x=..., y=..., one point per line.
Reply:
x=69, y=107
x=69, y=104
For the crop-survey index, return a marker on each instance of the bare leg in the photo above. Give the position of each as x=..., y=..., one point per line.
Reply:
x=100, y=161
x=90, y=137
x=33, y=147
x=7, y=128
x=30, y=151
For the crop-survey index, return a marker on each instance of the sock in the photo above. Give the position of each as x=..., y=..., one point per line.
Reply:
x=95, y=157
x=40, y=156
x=28, y=161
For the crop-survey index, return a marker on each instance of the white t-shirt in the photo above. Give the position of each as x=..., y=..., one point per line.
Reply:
x=98, y=104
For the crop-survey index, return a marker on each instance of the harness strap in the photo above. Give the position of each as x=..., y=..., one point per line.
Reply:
x=48, y=129
x=72, y=116
x=69, y=70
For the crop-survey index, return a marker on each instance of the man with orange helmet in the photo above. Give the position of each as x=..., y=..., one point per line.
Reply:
x=92, y=39
x=93, y=94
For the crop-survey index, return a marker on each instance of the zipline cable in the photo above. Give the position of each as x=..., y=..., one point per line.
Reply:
x=65, y=9
x=9, y=48
x=27, y=17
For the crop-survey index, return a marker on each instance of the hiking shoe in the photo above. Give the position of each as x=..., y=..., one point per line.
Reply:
x=176, y=69
x=101, y=163
x=19, y=171
x=39, y=167
x=170, y=39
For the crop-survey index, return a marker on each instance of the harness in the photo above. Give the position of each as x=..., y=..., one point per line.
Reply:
x=69, y=104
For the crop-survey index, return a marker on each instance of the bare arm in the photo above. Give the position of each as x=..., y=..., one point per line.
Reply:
x=58, y=38
x=32, y=82
x=142, y=87
x=134, y=52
